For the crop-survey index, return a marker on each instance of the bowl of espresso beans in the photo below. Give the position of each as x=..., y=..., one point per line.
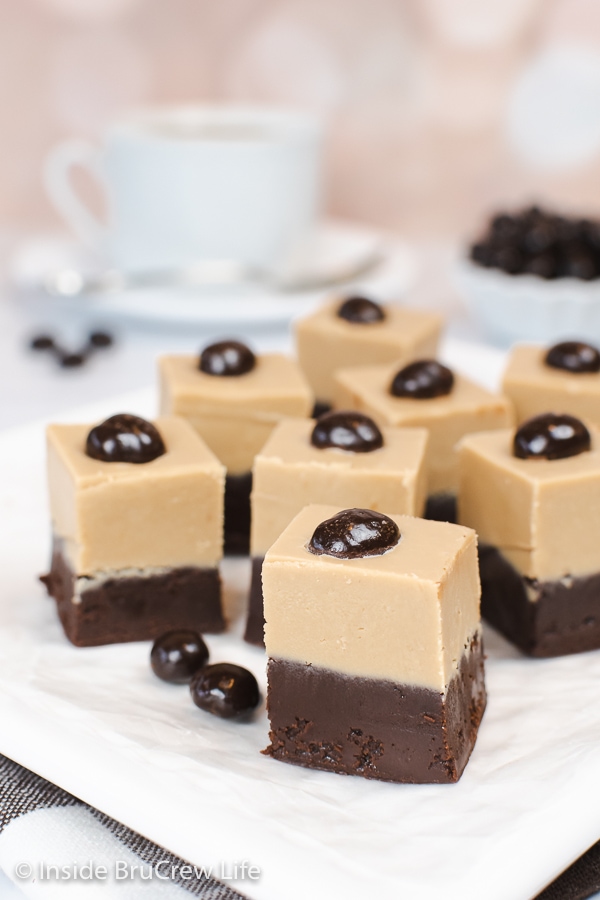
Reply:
x=534, y=275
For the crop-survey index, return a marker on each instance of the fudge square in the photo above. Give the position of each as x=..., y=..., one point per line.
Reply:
x=536, y=387
x=538, y=522
x=327, y=341
x=290, y=473
x=235, y=415
x=137, y=546
x=375, y=663
x=466, y=408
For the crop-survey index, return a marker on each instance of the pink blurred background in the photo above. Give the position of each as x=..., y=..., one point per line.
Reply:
x=419, y=94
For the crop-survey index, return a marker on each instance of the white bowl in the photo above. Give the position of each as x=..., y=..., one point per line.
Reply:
x=526, y=307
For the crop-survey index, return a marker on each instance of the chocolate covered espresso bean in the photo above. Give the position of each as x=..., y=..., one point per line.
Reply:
x=361, y=311
x=125, y=438
x=422, y=380
x=354, y=534
x=347, y=430
x=573, y=356
x=551, y=436
x=227, y=359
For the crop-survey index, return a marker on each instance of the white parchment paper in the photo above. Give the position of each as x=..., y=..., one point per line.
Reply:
x=98, y=723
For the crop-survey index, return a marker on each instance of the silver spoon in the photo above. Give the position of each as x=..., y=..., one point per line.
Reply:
x=71, y=282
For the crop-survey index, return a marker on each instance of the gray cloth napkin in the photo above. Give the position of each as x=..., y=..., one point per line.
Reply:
x=580, y=881
x=41, y=825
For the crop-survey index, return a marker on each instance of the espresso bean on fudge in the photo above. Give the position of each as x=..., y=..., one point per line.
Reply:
x=343, y=458
x=137, y=521
x=233, y=399
x=562, y=378
x=534, y=498
x=426, y=394
x=358, y=331
x=373, y=636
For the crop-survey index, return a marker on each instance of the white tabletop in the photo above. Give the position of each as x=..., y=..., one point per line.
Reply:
x=32, y=384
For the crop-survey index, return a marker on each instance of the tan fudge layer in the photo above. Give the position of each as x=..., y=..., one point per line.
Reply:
x=543, y=515
x=536, y=388
x=113, y=516
x=466, y=409
x=234, y=415
x=289, y=473
x=407, y=616
x=326, y=343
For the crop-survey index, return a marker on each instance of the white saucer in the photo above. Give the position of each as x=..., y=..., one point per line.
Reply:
x=337, y=245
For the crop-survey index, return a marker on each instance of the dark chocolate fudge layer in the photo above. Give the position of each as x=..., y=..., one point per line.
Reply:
x=374, y=728
x=237, y=514
x=543, y=618
x=255, y=623
x=320, y=408
x=131, y=608
x=441, y=508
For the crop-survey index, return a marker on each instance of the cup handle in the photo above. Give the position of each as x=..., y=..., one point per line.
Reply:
x=59, y=164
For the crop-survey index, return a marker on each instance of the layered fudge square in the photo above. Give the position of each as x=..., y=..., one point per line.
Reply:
x=137, y=543
x=344, y=459
x=538, y=520
x=428, y=395
x=374, y=643
x=356, y=332
x=563, y=378
x=234, y=399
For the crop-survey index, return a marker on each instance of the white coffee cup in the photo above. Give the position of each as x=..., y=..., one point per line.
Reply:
x=189, y=184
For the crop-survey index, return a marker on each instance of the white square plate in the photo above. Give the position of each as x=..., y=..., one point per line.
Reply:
x=98, y=723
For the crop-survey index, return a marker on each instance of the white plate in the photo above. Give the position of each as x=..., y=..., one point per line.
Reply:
x=97, y=722
x=337, y=246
